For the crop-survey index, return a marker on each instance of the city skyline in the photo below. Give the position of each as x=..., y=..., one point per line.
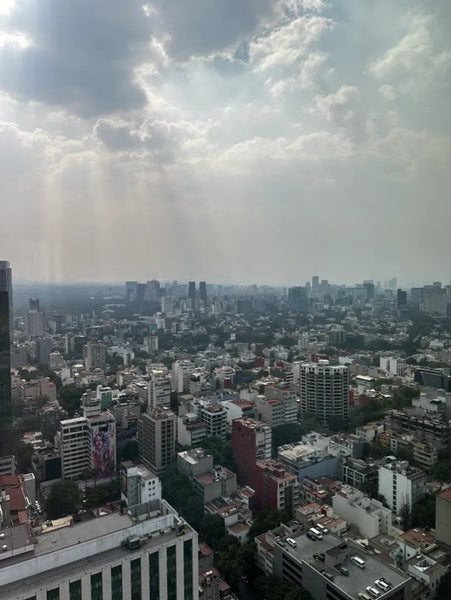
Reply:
x=263, y=142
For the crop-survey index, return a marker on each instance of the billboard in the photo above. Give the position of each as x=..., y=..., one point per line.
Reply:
x=104, y=449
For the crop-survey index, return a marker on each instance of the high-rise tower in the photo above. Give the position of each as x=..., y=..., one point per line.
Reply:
x=6, y=329
x=324, y=390
x=6, y=285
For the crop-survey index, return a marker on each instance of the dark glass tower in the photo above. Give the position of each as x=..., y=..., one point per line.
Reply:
x=5, y=373
x=192, y=295
x=203, y=291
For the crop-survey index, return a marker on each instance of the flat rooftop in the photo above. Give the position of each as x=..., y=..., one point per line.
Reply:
x=358, y=579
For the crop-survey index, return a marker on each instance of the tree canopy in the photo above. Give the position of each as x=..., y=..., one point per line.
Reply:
x=64, y=499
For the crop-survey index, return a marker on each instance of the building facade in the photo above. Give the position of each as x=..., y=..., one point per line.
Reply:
x=324, y=390
x=146, y=552
x=251, y=442
x=156, y=438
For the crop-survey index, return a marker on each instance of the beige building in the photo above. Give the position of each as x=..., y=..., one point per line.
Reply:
x=156, y=438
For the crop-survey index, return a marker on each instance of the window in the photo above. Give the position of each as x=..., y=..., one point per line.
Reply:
x=75, y=590
x=116, y=582
x=96, y=587
x=171, y=572
x=154, y=576
x=135, y=577
x=188, y=569
x=53, y=594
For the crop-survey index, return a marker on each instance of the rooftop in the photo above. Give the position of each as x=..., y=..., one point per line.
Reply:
x=358, y=579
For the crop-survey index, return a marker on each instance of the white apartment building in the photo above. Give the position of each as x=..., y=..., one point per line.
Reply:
x=392, y=365
x=159, y=389
x=88, y=443
x=190, y=430
x=181, y=374
x=324, y=390
x=401, y=485
x=138, y=484
x=147, y=552
x=95, y=356
x=370, y=516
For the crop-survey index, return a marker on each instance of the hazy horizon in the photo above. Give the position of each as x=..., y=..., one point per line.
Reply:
x=259, y=141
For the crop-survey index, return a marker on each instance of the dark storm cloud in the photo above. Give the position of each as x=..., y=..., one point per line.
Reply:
x=200, y=27
x=81, y=54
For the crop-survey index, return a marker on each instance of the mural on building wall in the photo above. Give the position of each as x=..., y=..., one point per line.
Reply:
x=103, y=450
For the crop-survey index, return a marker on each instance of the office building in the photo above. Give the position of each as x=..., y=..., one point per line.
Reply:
x=192, y=294
x=401, y=485
x=43, y=350
x=6, y=285
x=203, y=292
x=157, y=431
x=153, y=290
x=34, y=320
x=95, y=356
x=251, y=442
x=167, y=305
x=324, y=390
x=146, y=552
x=5, y=358
x=297, y=300
x=87, y=444
x=131, y=291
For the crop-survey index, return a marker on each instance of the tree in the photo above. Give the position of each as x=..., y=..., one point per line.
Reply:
x=23, y=454
x=423, y=512
x=212, y=530
x=70, y=398
x=266, y=519
x=64, y=499
x=444, y=588
x=228, y=561
x=103, y=493
x=178, y=491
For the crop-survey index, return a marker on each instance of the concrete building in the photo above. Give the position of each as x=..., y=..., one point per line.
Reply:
x=392, y=365
x=443, y=517
x=190, y=430
x=159, y=389
x=181, y=374
x=156, y=438
x=401, y=485
x=238, y=409
x=251, y=442
x=275, y=487
x=87, y=444
x=218, y=481
x=193, y=462
x=215, y=418
x=287, y=395
x=315, y=565
x=369, y=515
x=149, y=550
x=95, y=356
x=324, y=390
x=138, y=484
x=34, y=323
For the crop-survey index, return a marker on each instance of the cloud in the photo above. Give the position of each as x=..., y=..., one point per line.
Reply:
x=81, y=55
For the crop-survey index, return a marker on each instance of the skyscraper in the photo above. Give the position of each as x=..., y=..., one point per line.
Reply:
x=203, y=291
x=192, y=295
x=324, y=390
x=5, y=360
x=6, y=285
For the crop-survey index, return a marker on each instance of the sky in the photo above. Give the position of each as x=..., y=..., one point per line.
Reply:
x=233, y=141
